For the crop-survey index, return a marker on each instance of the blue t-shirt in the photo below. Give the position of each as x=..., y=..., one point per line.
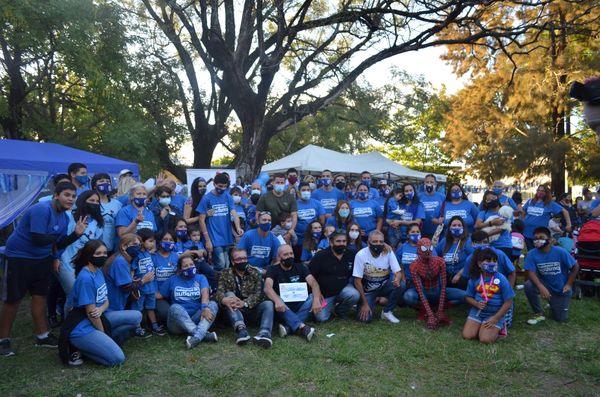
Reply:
x=182, y=246
x=141, y=265
x=308, y=211
x=92, y=232
x=184, y=291
x=218, y=224
x=124, y=199
x=109, y=213
x=538, y=214
x=406, y=254
x=504, y=239
x=164, y=267
x=432, y=204
x=593, y=206
x=455, y=258
x=328, y=200
x=323, y=244
x=241, y=212
x=465, y=209
x=353, y=247
x=178, y=201
x=40, y=218
x=411, y=212
x=260, y=250
x=307, y=255
x=366, y=213
x=503, y=200
x=373, y=193
x=497, y=290
x=552, y=268
x=89, y=288
x=128, y=213
x=333, y=221
x=381, y=203
x=119, y=275
x=505, y=266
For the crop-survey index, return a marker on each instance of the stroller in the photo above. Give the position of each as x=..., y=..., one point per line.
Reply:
x=587, y=253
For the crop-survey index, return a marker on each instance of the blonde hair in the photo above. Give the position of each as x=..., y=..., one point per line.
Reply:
x=124, y=185
x=135, y=187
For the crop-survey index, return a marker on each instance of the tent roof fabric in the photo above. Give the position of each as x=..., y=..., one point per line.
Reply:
x=54, y=158
x=313, y=158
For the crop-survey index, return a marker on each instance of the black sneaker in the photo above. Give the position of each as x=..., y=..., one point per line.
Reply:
x=75, y=359
x=307, y=332
x=263, y=341
x=5, y=349
x=50, y=341
x=159, y=330
x=241, y=336
x=211, y=337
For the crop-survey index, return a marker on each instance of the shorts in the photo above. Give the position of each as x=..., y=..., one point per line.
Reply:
x=22, y=275
x=479, y=316
x=146, y=301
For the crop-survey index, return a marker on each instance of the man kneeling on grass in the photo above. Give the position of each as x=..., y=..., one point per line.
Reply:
x=287, y=286
x=240, y=294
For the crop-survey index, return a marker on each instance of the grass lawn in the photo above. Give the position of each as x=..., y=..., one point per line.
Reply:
x=376, y=359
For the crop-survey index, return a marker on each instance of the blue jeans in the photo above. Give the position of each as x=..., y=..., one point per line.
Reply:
x=295, y=316
x=559, y=304
x=394, y=236
x=100, y=348
x=453, y=295
x=387, y=290
x=341, y=303
x=261, y=313
x=220, y=257
x=122, y=323
x=180, y=322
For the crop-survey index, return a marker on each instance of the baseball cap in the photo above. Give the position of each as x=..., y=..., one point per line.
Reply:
x=125, y=171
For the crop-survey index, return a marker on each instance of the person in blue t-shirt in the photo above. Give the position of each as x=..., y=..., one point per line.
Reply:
x=552, y=271
x=498, y=226
x=135, y=215
x=457, y=204
x=79, y=177
x=109, y=208
x=355, y=241
x=538, y=212
x=479, y=240
x=32, y=252
x=341, y=216
x=90, y=306
x=366, y=211
x=165, y=214
x=498, y=189
x=236, y=195
x=216, y=228
x=327, y=195
x=490, y=295
x=260, y=243
x=191, y=312
x=312, y=238
x=411, y=212
x=455, y=247
x=309, y=210
x=392, y=215
x=365, y=178
x=407, y=252
x=432, y=203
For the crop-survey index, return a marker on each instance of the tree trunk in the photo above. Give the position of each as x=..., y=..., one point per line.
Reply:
x=559, y=163
x=204, y=144
x=12, y=123
x=253, y=150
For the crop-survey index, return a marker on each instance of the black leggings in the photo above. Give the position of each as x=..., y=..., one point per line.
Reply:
x=56, y=296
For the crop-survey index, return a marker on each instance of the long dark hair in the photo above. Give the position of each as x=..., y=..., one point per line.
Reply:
x=80, y=211
x=196, y=197
x=85, y=253
x=449, y=191
x=310, y=243
x=478, y=256
x=415, y=200
x=339, y=222
x=484, y=205
x=450, y=237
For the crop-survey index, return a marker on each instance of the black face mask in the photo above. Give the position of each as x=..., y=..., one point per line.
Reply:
x=493, y=204
x=338, y=249
x=341, y=185
x=98, y=261
x=377, y=249
x=92, y=209
x=241, y=267
x=288, y=262
x=254, y=198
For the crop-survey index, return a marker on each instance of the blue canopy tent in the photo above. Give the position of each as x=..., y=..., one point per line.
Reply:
x=26, y=167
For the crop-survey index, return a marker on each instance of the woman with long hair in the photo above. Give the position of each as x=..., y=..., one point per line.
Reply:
x=538, y=212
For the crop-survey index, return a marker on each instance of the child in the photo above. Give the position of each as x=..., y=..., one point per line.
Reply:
x=355, y=242
x=311, y=240
x=284, y=229
x=236, y=195
x=199, y=253
x=491, y=296
x=566, y=242
x=554, y=226
x=141, y=265
x=324, y=244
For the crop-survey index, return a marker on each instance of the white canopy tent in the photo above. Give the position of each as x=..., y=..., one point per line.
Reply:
x=312, y=159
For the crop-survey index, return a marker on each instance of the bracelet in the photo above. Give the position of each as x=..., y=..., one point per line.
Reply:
x=203, y=306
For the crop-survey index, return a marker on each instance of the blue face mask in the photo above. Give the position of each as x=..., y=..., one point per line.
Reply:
x=167, y=246
x=362, y=195
x=182, y=234
x=133, y=251
x=279, y=188
x=305, y=195
x=139, y=201
x=480, y=246
x=349, y=195
x=489, y=267
x=414, y=237
x=265, y=227
x=456, y=195
x=429, y=188
x=326, y=181
x=344, y=213
x=456, y=231
x=366, y=182
x=219, y=190
x=386, y=192
x=497, y=191
x=409, y=195
x=316, y=235
x=103, y=188
x=83, y=179
x=190, y=272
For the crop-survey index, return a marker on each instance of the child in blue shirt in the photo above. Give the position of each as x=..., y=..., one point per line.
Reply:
x=324, y=243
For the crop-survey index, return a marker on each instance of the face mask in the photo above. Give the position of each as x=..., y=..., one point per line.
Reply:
x=429, y=188
x=164, y=201
x=344, y=213
x=338, y=249
x=362, y=195
x=202, y=191
x=456, y=231
x=409, y=195
x=456, y=195
x=353, y=235
x=254, y=198
x=480, y=246
x=279, y=188
x=133, y=251
x=489, y=267
x=540, y=243
x=494, y=203
x=340, y=185
x=181, y=234
x=287, y=225
x=83, y=179
x=377, y=249
x=305, y=196
x=219, y=190
x=237, y=199
x=190, y=272
x=103, y=188
x=497, y=191
x=240, y=267
x=386, y=192
x=349, y=195
x=414, y=237
x=265, y=227
x=255, y=191
x=292, y=179
x=92, y=209
x=312, y=186
x=316, y=235
x=167, y=246
x=269, y=188
x=98, y=261
x=540, y=195
x=288, y=262
x=139, y=201
x=326, y=181
x=366, y=182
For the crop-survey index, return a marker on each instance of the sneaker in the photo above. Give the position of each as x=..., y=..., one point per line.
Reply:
x=75, y=359
x=307, y=332
x=242, y=336
x=536, y=319
x=191, y=342
x=211, y=337
x=284, y=330
x=50, y=341
x=5, y=349
x=262, y=341
x=390, y=317
x=159, y=330
x=142, y=333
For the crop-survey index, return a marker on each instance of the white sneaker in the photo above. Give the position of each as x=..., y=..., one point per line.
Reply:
x=390, y=317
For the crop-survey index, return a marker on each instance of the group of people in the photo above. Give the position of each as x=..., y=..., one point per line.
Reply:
x=137, y=261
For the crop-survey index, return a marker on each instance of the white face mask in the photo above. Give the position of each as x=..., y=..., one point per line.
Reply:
x=256, y=191
x=237, y=199
x=288, y=225
x=354, y=235
x=312, y=186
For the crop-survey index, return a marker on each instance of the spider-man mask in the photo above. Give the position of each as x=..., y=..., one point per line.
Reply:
x=424, y=248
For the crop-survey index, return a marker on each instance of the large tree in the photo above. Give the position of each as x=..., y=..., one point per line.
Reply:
x=274, y=63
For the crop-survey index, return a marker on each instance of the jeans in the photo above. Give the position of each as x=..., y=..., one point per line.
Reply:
x=295, y=316
x=261, y=313
x=100, y=348
x=341, y=303
x=220, y=256
x=122, y=322
x=387, y=290
x=66, y=276
x=202, y=267
x=394, y=236
x=180, y=322
x=559, y=304
x=453, y=295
